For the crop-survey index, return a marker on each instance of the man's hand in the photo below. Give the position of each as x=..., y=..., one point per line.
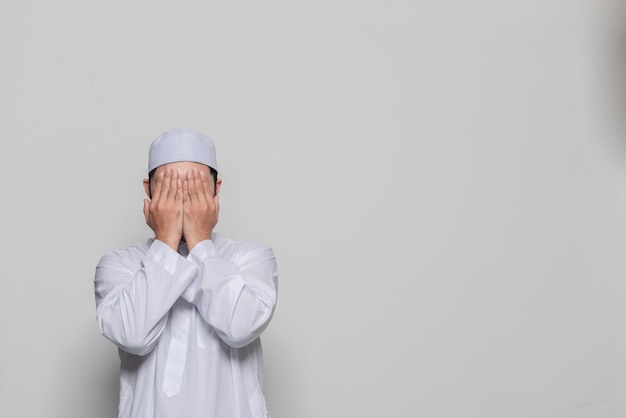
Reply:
x=200, y=207
x=164, y=214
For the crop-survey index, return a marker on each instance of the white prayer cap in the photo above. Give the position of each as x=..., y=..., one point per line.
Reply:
x=181, y=144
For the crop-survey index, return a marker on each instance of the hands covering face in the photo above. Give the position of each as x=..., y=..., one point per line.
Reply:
x=182, y=206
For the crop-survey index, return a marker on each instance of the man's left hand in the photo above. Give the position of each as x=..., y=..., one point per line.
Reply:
x=200, y=208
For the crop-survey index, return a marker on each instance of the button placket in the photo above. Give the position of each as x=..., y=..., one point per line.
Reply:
x=177, y=353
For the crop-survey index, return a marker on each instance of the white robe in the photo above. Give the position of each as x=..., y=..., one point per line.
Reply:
x=187, y=326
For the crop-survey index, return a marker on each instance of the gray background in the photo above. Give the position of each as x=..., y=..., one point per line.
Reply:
x=443, y=183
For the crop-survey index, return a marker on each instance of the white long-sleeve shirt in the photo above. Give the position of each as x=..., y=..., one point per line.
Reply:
x=187, y=326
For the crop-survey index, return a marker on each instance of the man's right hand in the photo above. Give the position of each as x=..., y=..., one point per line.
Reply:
x=164, y=214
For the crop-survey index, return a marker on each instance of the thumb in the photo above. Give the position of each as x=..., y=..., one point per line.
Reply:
x=146, y=209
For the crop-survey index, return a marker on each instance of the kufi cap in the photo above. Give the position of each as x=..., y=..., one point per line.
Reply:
x=181, y=144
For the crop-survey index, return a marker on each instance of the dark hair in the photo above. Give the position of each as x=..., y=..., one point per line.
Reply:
x=213, y=174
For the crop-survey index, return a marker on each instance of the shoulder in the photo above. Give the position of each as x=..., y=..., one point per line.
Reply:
x=232, y=248
x=129, y=256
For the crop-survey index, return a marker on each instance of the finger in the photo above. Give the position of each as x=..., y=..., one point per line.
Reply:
x=165, y=186
x=178, y=198
x=193, y=191
x=206, y=189
x=198, y=180
x=171, y=195
x=186, y=197
x=157, y=186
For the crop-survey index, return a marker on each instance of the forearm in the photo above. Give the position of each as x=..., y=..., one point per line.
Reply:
x=237, y=301
x=132, y=306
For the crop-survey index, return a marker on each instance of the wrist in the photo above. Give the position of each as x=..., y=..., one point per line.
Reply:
x=192, y=241
x=170, y=242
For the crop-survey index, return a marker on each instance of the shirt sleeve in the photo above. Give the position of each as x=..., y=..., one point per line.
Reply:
x=235, y=296
x=132, y=304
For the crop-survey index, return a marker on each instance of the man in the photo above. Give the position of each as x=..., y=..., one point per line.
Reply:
x=186, y=307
